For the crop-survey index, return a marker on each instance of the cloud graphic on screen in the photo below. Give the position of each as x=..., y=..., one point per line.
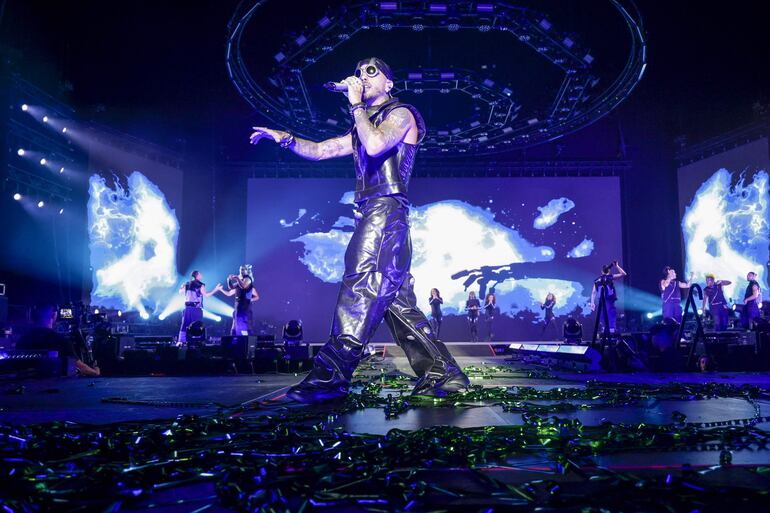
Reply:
x=582, y=250
x=343, y=221
x=726, y=232
x=550, y=213
x=300, y=214
x=349, y=198
x=514, y=296
x=324, y=254
x=132, y=240
x=455, y=235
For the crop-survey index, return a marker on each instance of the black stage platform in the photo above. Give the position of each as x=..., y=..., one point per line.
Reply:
x=140, y=405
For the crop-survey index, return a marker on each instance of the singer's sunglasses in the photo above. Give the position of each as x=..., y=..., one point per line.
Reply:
x=371, y=71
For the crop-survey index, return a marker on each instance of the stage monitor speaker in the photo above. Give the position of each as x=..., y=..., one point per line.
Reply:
x=300, y=352
x=238, y=347
x=265, y=341
x=113, y=347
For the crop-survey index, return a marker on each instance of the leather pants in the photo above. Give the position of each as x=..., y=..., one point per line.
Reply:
x=377, y=285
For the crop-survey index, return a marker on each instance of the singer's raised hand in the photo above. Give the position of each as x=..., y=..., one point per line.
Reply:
x=266, y=133
x=355, y=92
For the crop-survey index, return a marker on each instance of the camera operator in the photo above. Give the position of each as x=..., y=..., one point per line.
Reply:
x=43, y=338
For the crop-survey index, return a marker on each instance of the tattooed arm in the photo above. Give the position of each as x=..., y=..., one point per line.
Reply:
x=310, y=150
x=379, y=139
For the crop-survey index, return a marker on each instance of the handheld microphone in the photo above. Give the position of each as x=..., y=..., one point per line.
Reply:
x=336, y=87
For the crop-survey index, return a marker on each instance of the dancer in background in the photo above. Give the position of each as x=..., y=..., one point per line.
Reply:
x=194, y=291
x=751, y=300
x=472, y=306
x=384, y=140
x=606, y=283
x=490, y=311
x=671, y=294
x=714, y=296
x=435, y=302
x=550, y=302
x=242, y=287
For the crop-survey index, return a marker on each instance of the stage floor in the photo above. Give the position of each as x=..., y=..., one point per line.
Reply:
x=117, y=399
x=107, y=401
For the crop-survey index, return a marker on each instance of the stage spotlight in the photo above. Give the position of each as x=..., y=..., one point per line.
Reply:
x=572, y=331
x=61, y=170
x=144, y=315
x=64, y=130
x=292, y=333
x=17, y=196
x=120, y=312
x=61, y=211
x=20, y=152
x=24, y=107
x=196, y=333
x=96, y=311
x=45, y=119
x=43, y=162
x=650, y=315
x=40, y=204
x=700, y=312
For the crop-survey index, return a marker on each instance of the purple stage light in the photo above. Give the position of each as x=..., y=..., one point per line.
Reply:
x=388, y=6
x=485, y=8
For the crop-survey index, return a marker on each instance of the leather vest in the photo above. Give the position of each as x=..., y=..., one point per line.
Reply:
x=389, y=173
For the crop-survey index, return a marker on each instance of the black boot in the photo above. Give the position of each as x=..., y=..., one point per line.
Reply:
x=333, y=367
x=438, y=372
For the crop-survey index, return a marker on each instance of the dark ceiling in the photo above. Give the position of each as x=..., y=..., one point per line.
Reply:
x=156, y=69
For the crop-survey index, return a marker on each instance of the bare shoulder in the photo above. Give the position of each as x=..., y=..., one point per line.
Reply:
x=402, y=116
x=403, y=119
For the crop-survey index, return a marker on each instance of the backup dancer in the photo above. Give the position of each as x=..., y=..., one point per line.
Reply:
x=194, y=291
x=671, y=294
x=714, y=296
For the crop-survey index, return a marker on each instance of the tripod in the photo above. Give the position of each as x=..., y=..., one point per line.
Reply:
x=601, y=314
x=699, y=336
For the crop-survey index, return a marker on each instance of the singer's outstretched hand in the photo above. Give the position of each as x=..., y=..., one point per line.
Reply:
x=355, y=91
x=266, y=133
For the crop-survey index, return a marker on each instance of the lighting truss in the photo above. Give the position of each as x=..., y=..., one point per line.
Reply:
x=282, y=95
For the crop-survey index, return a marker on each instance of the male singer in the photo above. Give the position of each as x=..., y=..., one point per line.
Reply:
x=377, y=283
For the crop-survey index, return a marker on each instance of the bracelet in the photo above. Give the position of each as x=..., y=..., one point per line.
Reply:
x=288, y=141
x=359, y=105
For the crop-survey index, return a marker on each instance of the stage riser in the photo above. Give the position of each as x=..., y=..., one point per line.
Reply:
x=562, y=356
x=457, y=350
